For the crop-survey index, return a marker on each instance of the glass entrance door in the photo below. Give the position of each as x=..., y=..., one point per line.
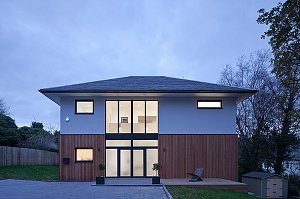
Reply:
x=131, y=162
x=138, y=163
x=125, y=163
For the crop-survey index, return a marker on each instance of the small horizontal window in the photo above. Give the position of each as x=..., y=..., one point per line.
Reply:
x=84, y=107
x=209, y=104
x=145, y=142
x=118, y=143
x=84, y=155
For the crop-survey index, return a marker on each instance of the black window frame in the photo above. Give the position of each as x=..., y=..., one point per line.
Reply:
x=84, y=100
x=221, y=101
x=84, y=161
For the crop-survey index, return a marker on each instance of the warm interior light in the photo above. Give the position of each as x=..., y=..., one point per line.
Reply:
x=84, y=107
x=84, y=154
x=209, y=104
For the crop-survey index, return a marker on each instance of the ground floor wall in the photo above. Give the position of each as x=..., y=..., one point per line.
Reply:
x=177, y=155
x=80, y=171
x=217, y=154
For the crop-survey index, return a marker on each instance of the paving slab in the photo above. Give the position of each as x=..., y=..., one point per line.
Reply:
x=26, y=189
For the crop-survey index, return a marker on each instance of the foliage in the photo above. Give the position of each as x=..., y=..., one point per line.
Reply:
x=197, y=193
x=30, y=172
x=294, y=184
x=284, y=34
x=4, y=109
x=37, y=138
x=8, y=131
x=156, y=167
x=37, y=125
x=255, y=115
x=101, y=167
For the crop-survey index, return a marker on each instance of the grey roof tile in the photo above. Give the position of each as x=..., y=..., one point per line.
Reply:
x=145, y=84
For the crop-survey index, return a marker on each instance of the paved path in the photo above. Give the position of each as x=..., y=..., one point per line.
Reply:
x=26, y=189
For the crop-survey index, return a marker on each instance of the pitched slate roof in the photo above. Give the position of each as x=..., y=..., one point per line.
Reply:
x=260, y=175
x=138, y=84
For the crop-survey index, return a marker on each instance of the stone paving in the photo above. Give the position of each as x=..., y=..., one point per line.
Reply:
x=26, y=189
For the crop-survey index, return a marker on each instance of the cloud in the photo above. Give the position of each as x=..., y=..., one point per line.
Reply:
x=53, y=43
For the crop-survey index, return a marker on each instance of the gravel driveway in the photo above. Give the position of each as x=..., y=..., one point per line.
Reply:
x=26, y=189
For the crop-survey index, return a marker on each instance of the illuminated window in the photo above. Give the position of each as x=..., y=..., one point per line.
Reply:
x=111, y=143
x=132, y=116
x=209, y=104
x=84, y=155
x=84, y=106
x=145, y=142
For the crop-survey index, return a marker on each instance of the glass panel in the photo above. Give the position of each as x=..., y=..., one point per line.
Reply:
x=152, y=117
x=203, y=104
x=145, y=142
x=125, y=162
x=111, y=116
x=84, y=106
x=152, y=157
x=125, y=116
x=84, y=154
x=138, y=116
x=138, y=162
x=111, y=162
x=118, y=143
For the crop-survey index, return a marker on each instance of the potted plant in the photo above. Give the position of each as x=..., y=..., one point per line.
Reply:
x=156, y=179
x=100, y=179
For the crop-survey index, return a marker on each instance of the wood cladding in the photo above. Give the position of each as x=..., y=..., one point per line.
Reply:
x=80, y=171
x=217, y=154
x=177, y=154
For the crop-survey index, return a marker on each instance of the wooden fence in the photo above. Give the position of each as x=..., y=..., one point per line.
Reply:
x=24, y=156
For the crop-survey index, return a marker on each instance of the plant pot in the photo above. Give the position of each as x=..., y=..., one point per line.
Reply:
x=155, y=180
x=100, y=180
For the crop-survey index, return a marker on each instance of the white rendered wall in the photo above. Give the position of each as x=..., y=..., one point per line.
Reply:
x=177, y=115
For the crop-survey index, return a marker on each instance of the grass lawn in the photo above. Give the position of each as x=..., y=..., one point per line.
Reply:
x=29, y=172
x=196, y=193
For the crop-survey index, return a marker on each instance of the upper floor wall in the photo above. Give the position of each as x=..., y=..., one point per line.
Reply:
x=176, y=115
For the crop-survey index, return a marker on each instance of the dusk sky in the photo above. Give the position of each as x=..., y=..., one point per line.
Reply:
x=54, y=43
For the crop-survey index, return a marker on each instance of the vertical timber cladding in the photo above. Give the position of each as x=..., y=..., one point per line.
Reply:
x=217, y=154
x=80, y=171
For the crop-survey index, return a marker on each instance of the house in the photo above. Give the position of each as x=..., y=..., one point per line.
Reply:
x=129, y=123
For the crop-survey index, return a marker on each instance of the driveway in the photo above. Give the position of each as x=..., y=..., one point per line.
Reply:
x=26, y=189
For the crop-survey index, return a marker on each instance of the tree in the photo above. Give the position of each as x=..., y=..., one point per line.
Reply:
x=36, y=137
x=37, y=125
x=8, y=131
x=284, y=38
x=4, y=109
x=254, y=115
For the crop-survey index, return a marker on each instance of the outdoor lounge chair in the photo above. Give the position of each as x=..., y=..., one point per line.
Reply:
x=196, y=176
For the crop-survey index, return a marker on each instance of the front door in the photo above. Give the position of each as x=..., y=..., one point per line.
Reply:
x=131, y=162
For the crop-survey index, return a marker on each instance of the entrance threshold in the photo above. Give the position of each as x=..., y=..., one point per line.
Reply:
x=128, y=182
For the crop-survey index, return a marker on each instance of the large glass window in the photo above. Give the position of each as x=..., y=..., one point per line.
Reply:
x=125, y=116
x=83, y=155
x=131, y=116
x=84, y=106
x=152, y=157
x=151, y=117
x=111, y=116
x=111, y=162
x=138, y=163
x=125, y=162
x=138, y=116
